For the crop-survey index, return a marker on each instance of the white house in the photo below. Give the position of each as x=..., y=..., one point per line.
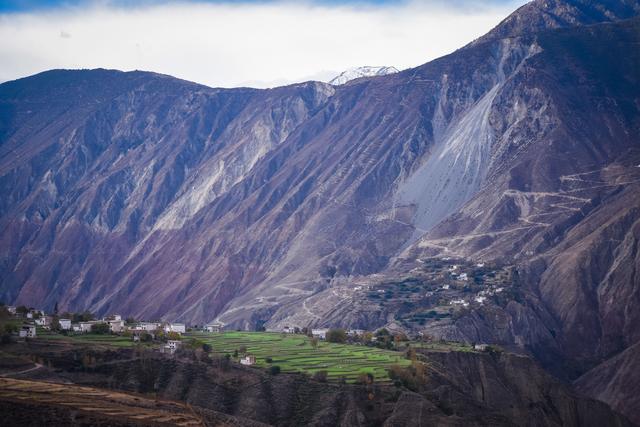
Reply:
x=116, y=326
x=480, y=347
x=214, y=327
x=75, y=327
x=113, y=317
x=148, y=326
x=86, y=326
x=11, y=309
x=44, y=321
x=320, y=333
x=65, y=324
x=171, y=346
x=28, y=331
x=289, y=330
x=248, y=360
x=355, y=332
x=175, y=327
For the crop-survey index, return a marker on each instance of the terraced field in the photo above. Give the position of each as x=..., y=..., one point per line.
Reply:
x=103, y=404
x=89, y=339
x=294, y=353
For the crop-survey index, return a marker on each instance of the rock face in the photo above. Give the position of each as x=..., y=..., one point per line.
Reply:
x=461, y=389
x=159, y=198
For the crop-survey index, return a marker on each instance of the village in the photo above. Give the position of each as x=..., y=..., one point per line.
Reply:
x=335, y=353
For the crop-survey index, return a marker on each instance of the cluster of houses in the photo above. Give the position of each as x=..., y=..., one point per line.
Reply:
x=115, y=324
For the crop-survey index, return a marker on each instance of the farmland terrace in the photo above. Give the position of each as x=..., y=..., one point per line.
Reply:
x=295, y=353
x=67, y=382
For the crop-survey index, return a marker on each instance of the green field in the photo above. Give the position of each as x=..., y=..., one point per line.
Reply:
x=89, y=339
x=294, y=353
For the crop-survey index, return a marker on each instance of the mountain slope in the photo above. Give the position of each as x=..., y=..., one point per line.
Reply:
x=160, y=198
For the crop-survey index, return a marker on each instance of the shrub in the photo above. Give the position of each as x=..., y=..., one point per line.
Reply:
x=274, y=370
x=337, y=335
x=412, y=377
x=206, y=347
x=321, y=376
x=100, y=328
x=365, y=378
x=268, y=360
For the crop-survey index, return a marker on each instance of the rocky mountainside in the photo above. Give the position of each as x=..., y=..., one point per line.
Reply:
x=461, y=389
x=159, y=198
x=359, y=72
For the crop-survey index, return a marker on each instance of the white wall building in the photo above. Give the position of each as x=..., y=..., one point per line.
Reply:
x=116, y=326
x=148, y=326
x=175, y=327
x=65, y=324
x=248, y=360
x=214, y=327
x=28, y=331
x=320, y=333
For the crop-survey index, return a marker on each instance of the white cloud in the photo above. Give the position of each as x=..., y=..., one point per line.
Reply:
x=260, y=44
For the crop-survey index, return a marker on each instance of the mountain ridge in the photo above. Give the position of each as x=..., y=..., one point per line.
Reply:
x=159, y=198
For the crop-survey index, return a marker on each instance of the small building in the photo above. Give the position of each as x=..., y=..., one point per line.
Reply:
x=65, y=324
x=248, y=360
x=85, y=327
x=481, y=347
x=289, y=330
x=75, y=327
x=11, y=309
x=147, y=326
x=113, y=317
x=44, y=321
x=171, y=346
x=175, y=327
x=480, y=299
x=28, y=331
x=355, y=332
x=116, y=326
x=214, y=327
x=320, y=333
x=30, y=315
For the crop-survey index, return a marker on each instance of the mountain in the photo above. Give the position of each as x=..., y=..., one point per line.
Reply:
x=359, y=72
x=514, y=159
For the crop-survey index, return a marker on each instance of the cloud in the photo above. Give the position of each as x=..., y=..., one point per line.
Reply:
x=258, y=44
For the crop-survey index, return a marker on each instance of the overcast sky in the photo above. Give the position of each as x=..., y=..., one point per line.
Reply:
x=237, y=43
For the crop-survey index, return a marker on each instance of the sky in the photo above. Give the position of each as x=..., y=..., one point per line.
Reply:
x=237, y=43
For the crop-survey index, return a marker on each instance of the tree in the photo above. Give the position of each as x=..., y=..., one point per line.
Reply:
x=55, y=309
x=274, y=370
x=22, y=310
x=175, y=336
x=268, y=360
x=382, y=332
x=55, y=324
x=242, y=349
x=337, y=335
x=314, y=342
x=206, y=348
x=100, y=328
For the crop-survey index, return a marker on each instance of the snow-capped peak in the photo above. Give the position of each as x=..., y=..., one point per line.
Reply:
x=356, y=73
